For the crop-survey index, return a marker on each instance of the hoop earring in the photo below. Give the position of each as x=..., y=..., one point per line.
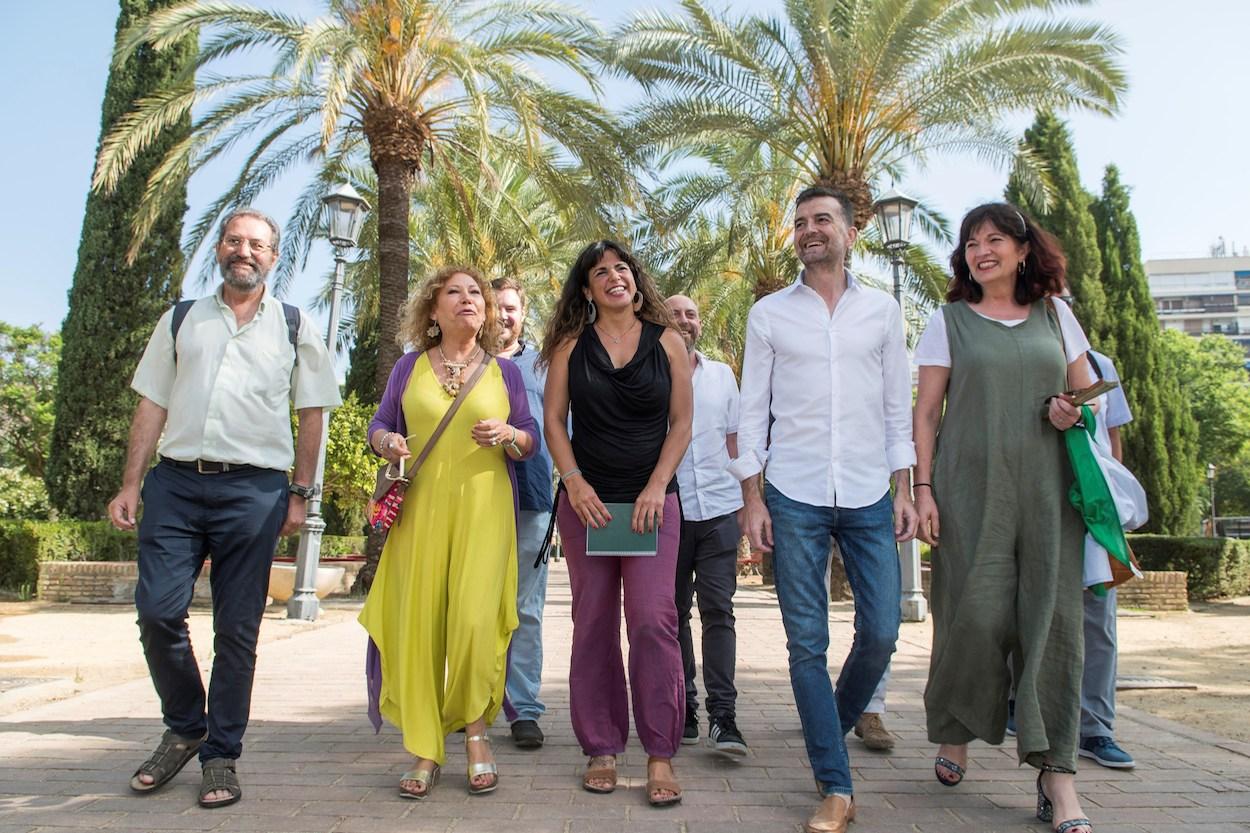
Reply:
x=592, y=312
x=433, y=331
x=637, y=300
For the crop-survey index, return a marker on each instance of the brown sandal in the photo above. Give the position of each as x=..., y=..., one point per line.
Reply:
x=600, y=773
x=654, y=784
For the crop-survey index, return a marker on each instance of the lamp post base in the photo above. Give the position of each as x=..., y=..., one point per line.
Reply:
x=303, y=603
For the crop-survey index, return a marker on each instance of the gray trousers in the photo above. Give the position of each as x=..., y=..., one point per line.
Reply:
x=1098, y=676
x=707, y=565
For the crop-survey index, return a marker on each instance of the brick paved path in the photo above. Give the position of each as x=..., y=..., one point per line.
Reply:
x=313, y=765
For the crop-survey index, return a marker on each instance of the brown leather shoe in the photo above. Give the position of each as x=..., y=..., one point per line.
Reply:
x=834, y=815
x=873, y=731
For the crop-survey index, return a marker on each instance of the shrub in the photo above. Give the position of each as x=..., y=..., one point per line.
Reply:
x=22, y=496
x=332, y=546
x=1216, y=566
x=23, y=544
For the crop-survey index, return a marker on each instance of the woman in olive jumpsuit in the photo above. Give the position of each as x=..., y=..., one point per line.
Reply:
x=992, y=494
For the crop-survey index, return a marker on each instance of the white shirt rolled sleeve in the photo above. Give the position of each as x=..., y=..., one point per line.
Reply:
x=838, y=388
x=707, y=488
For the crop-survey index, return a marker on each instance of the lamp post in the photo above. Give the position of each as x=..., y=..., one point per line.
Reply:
x=893, y=212
x=1211, y=486
x=345, y=215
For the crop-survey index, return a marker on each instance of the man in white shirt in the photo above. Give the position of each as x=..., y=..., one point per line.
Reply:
x=218, y=378
x=826, y=359
x=707, y=557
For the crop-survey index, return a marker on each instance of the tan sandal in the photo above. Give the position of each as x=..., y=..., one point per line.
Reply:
x=482, y=768
x=600, y=773
x=656, y=784
x=426, y=778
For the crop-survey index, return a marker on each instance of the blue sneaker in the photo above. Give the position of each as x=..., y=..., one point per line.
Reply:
x=1011, y=718
x=1107, y=752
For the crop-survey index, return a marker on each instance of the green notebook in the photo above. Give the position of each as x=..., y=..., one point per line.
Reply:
x=617, y=538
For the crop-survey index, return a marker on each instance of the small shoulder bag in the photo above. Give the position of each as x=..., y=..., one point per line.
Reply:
x=392, y=484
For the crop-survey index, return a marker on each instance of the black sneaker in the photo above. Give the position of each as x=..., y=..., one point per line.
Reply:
x=690, y=734
x=527, y=735
x=723, y=734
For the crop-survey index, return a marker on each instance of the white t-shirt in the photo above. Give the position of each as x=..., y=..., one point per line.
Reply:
x=933, y=349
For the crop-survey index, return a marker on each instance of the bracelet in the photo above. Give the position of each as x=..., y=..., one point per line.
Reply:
x=570, y=473
x=918, y=485
x=516, y=449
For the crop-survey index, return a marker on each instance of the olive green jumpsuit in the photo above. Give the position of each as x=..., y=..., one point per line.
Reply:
x=1007, y=573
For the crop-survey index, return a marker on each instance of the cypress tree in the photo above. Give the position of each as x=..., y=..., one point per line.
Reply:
x=114, y=304
x=1069, y=219
x=1161, y=443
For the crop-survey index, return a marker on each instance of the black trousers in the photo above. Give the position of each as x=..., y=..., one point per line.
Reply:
x=235, y=517
x=707, y=566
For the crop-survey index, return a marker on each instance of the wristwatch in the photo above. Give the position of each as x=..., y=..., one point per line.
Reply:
x=306, y=492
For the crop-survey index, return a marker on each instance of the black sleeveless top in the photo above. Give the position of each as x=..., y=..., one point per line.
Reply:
x=620, y=415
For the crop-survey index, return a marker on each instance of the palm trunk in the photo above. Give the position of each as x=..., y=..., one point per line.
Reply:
x=395, y=178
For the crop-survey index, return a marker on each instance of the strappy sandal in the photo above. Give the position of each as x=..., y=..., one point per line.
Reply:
x=1046, y=810
x=171, y=755
x=654, y=784
x=483, y=768
x=427, y=778
x=600, y=773
x=219, y=775
x=947, y=764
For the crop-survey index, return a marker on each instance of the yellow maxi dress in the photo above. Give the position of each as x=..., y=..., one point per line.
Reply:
x=442, y=607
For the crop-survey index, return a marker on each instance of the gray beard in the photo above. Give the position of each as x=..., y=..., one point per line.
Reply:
x=243, y=284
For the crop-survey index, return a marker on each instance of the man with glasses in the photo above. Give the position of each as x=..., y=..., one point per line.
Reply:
x=215, y=386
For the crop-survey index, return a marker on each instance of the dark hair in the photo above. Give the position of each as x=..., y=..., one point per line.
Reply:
x=571, y=314
x=1044, y=267
x=814, y=191
x=500, y=284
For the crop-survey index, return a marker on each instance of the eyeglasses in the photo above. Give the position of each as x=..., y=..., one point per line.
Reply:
x=259, y=246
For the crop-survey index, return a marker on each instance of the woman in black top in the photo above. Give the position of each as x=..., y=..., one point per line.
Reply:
x=614, y=355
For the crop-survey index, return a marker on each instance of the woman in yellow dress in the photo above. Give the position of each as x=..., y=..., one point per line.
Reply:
x=442, y=606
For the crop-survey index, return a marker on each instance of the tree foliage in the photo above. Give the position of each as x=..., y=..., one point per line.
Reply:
x=28, y=366
x=1213, y=380
x=114, y=301
x=1161, y=443
x=1065, y=213
x=853, y=92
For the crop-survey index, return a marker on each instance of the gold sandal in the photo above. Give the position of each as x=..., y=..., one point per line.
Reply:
x=427, y=778
x=841, y=817
x=483, y=768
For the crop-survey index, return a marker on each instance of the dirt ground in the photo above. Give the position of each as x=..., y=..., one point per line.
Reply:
x=1208, y=646
x=54, y=651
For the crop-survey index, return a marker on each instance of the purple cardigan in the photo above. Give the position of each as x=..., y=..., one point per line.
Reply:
x=390, y=416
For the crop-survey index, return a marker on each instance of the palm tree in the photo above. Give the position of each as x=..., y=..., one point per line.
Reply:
x=852, y=91
x=412, y=82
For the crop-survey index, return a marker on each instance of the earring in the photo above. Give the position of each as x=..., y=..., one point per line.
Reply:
x=433, y=331
x=592, y=312
x=637, y=300
x=1020, y=269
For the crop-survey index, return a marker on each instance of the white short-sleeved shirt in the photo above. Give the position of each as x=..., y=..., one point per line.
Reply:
x=229, y=390
x=1113, y=408
x=707, y=489
x=933, y=349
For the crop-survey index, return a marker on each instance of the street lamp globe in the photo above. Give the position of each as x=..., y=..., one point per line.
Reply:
x=894, y=212
x=345, y=215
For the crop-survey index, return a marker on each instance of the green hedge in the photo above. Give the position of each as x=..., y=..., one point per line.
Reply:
x=332, y=546
x=1217, y=567
x=23, y=544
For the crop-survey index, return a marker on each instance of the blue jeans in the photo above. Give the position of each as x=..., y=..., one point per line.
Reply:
x=525, y=655
x=801, y=551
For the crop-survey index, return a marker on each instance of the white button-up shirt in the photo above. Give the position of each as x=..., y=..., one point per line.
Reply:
x=708, y=490
x=229, y=393
x=839, y=389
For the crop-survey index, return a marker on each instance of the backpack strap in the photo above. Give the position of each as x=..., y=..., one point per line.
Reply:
x=289, y=311
x=1089, y=355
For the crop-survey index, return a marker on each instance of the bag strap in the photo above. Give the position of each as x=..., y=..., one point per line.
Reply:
x=1063, y=342
x=461, y=395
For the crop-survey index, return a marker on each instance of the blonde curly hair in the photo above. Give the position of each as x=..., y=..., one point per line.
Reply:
x=419, y=310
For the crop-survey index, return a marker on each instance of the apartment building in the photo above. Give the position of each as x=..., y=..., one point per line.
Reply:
x=1203, y=295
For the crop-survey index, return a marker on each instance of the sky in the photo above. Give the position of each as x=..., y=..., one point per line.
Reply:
x=1179, y=141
